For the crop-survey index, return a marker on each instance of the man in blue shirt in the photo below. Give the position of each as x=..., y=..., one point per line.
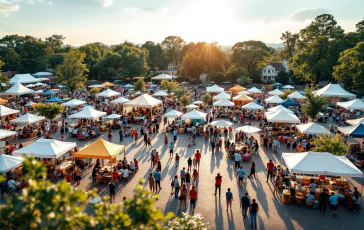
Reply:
x=240, y=173
x=157, y=177
x=333, y=201
x=229, y=199
x=175, y=135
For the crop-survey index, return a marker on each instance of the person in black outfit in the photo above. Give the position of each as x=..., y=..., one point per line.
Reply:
x=323, y=198
x=252, y=170
x=112, y=191
x=121, y=134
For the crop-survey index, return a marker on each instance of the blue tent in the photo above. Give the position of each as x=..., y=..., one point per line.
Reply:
x=353, y=131
x=54, y=99
x=277, y=84
x=48, y=92
x=288, y=103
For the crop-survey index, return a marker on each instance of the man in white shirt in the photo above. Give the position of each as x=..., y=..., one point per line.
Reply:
x=132, y=166
x=237, y=158
x=11, y=184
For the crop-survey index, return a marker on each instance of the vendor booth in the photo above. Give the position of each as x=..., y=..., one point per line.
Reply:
x=120, y=100
x=222, y=96
x=288, y=103
x=74, y=103
x=244, y=92
x=287, y=87
x=195, y=117
x=355, y=121
x=6, y=133
x=88, y=113
x=274, y=100
x=8, y=163
x=223, y=103
x=214, y=89
x=335, y=92
x=281, y=117
x=252, y=106
x=18, y=89
x=221, y=124
x=23, y=78
x=296, y=95
x=254, y=90
x=108, y=93
x=54, y=100
x=161, y=93
x=173, y=114
x=312, y=129
x=355, y=104
x=353, y=131
x=280, y=108
x=4, y=111
x=143, y=102
x=236, y=89
x=28, y=119
x=242, y=99
x=275, y=92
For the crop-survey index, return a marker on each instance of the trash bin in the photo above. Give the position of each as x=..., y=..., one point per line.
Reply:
x=286, y=195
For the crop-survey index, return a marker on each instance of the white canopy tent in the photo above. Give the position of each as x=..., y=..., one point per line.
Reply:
x=23, y=78
x=194, y=114
x=279, y=108
x=88, y=107
x=222, y=96
x=4, y=111
x=28, y=119
x=248, y=129
x=353, y=104
x=144, y=101
x=162, y=76
x=43, y=74
x=173, y=114
x=112, y=116
x=8, y=163
x=287, y=87
x=73, y=103
x=296, y=95
x=39, y=91
x=275, y=92
x=46, y=148
x=223, y=103
x=244, y=92
x=197, y=102
x=312, y=129
x=334, y=90
x=320, y=163
x=18, y=89
x=108, y=93
x=252, y=106
x=30, y=104
x=97, y=86
x=214, y=89
x=274, y=100
x=6, y=133
x=221, y=123
x=161, y=93
x=29, y=85
x=191, y=106
x=120, y=100
x=128, y=86
x=254, y=90
x=88, y=113
x=40, y=84
x=355, y=121
x=281, y=117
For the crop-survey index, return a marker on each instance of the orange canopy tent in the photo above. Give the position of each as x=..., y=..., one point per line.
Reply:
x=108, y=84
x=237, y=88
x=3, y=101
x=100, y=149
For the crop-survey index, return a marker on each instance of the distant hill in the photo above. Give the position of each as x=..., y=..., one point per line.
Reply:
x=277, y=46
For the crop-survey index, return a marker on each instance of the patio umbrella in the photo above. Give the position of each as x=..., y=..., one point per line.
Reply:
x=248, y=129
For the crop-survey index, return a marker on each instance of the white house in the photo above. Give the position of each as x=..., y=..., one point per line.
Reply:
x=271, y=70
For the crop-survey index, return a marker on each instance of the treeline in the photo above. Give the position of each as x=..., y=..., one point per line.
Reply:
x=321, y=51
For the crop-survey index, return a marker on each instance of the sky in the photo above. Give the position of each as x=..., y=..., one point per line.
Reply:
x=222, y=21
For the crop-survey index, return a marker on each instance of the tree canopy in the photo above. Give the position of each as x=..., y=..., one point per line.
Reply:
x=335, y=145
x=48, y=110
x=313, y=104
x=169, y=86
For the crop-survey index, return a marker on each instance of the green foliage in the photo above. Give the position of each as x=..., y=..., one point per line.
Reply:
x=185, y=100
x=350, y=69
x=109, y=67
x=250, y=55
x=217, y=77
x=172, y=46
x=285, y=94
x=55, y=59
x=54, y=43
x=318, y=49
x=94, y=53
x=48, y=110
x=282, y=77
x=169, y=86
x=3, y=79
x=139, y=85
x=181, y=91
x=188, y=222
x=206, y=98
x=95, y=90
x=234, y=72
x=156, y=56
x=313, y=104
x=335, y=145
x=12, y=60
x=71, y=72
x=289, y=41
x=244, y=80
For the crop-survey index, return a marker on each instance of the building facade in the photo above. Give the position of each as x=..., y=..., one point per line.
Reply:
x=270, y=72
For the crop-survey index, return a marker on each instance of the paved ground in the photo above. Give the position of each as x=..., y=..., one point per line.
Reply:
x=273, y=213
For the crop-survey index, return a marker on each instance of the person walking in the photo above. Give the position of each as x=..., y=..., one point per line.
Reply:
x=213, y=145
x=252, y=170
x=189, y=163
x=188, y=180
x=240, y=174
x=177, y=160
x=151, y=182
x=193, y=198
x=149, y=142
x=157, y=177
x=244, y=205
x=182, y=175
x=237, y=158
x=195, y=177
x=171, y=150
x=183, y=197
x=78, y=173
x=175, y=135
x=229, y=199
x=176, y=186
x=218, y=181
x=256, y=147
x=253, y=210
x=198, y=158
x=166, y=139
x=333, y=202
x=121, y=135
x=270, y=167
x=276, y=144
x=323, y=198
x=112, y=190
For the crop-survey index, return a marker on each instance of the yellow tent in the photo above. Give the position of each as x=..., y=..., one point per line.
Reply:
x=242, y=98
x=108, y=84
x=3, y=101
x=237, y=88
x=100, y=149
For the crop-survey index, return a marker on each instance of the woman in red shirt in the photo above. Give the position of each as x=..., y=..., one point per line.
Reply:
x=218, y=181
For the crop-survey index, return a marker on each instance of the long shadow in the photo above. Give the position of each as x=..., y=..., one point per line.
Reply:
x=219, y=220
x=231, y=223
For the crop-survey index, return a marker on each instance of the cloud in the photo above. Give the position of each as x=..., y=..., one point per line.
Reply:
x=145, y=10
x=309, y=14
x=106, y=3
x=7, y=7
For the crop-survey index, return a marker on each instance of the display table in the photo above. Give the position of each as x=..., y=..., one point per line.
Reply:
x=64, y=166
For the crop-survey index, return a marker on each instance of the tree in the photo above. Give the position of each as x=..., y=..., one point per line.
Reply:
x=71, y=72
x=251, y=56
x=289, y=41
x=169, y=86
x=350, y=69
x=217, y=77
x=318, y=49
x=95, y=90
x=55, y=42
x=335, y=145
x=172, y=46
x=181, y=91
x=155, y=58
x=12, y=60
x=282, y=77
x=185, y=100
x=49, y=110
x=313, y=104
x=286, y=93
x=244, y=81
x=139, y=85
x=94, y=53
x=109, y=68
x=3, y=79
x=206, y=98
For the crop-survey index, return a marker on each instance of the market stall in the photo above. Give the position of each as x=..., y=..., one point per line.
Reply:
x=254, y=90
x=222, y=96
x=274, y=100
x=242, y=99
x=18, y=89
x=280, y=108
x=143, y=102
x=353, y=131
x=252, y=106
x=108, y=93
x=27, y=119
x=312, y=129
x=8, y=163
x=88, y=113
x=23, y=78
x=236, y=89
x=296, y=95
x=355, y=104
x=214, y=89
x=73, y=103
x=355, y=121
x=275, y=92
x=335, y=92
